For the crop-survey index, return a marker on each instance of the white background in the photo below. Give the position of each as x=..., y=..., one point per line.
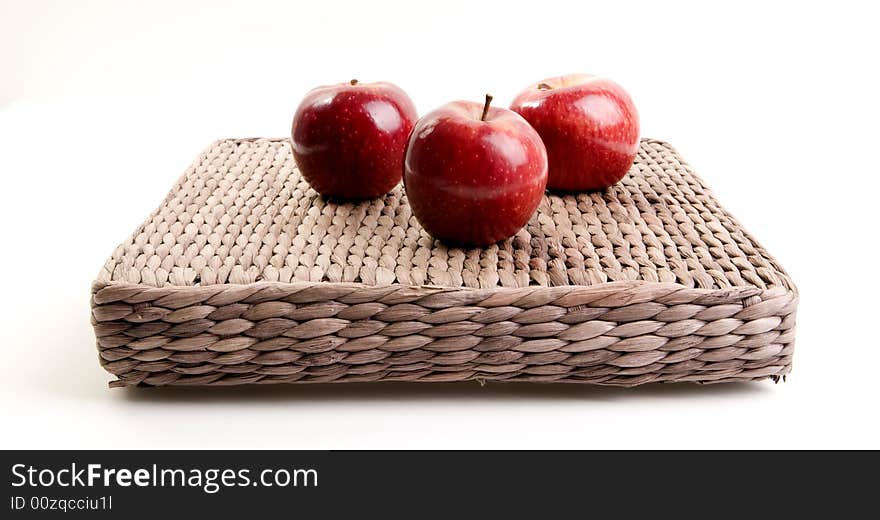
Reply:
x=103, y=104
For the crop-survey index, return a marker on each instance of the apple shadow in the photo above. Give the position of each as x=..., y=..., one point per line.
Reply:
x=470, y=390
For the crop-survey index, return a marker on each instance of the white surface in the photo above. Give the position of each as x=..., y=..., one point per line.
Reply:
x=103, y=104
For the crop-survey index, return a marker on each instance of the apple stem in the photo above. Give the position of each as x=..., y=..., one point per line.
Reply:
x=486, y=107
x=353, y=82
x=544, y=86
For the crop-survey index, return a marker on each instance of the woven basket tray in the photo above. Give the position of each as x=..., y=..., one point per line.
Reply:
x=245, y=275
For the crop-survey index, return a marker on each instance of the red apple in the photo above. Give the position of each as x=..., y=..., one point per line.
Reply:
x=589, y=126
x=474, y=175
x=348, y=140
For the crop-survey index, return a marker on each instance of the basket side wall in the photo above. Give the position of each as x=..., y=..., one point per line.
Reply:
x=622, y=333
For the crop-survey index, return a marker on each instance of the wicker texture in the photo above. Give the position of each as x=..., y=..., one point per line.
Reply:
x=246, y=275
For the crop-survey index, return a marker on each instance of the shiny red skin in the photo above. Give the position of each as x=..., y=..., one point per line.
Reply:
x=348, y=140
x=473, y=182
x=589, y=125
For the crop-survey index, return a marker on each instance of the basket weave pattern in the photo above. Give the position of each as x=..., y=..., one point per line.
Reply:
x=246, y=275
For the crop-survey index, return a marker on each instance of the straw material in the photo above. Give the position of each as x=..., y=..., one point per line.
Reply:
x=246, y=275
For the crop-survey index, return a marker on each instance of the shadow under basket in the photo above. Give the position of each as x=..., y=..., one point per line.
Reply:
x=245, y=275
